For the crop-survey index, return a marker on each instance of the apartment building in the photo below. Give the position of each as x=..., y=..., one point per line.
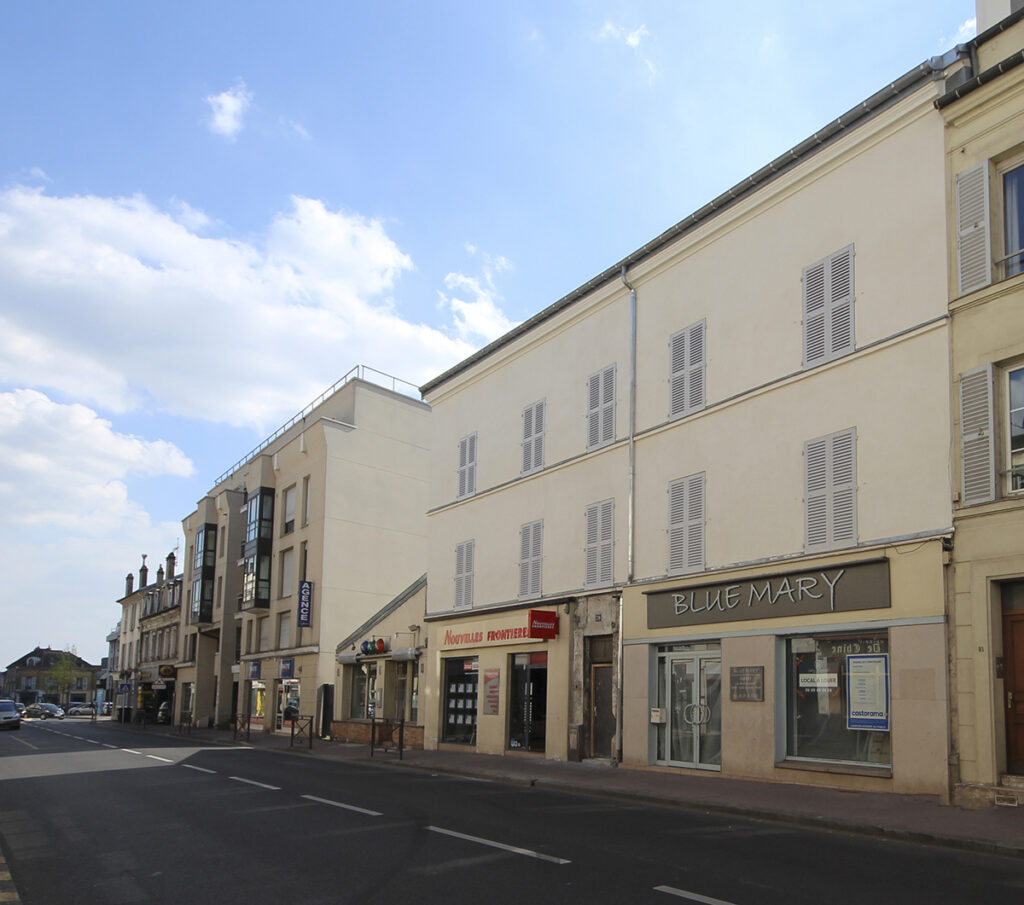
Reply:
x=295, y=546
x=696, y=514
x=984, y=118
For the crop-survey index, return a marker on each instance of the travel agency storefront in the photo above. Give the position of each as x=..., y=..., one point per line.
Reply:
x=832, y=672
x=500, y=683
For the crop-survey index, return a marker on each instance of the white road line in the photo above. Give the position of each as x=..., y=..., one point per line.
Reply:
x=200, y=769
x=347, y=807
x=92, y=741
x=692, y=896
x=28, y=744
x=252, y=782
x=112, y=747
x=166, y=760
x=508, y=848
x=131, y=751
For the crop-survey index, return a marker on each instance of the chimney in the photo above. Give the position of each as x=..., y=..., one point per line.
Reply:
x=129, y=584
x=143, y=573
x=170, y=566
x=160, y=575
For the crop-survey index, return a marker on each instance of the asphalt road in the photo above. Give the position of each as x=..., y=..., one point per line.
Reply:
x=92, y=814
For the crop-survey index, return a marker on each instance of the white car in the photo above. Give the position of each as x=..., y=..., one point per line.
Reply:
x=10, y=718
x=82, y=709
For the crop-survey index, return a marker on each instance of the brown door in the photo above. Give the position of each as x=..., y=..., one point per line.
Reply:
x=1013, y=659
x=602, y=718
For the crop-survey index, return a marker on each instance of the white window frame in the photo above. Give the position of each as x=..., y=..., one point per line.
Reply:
x=465, y=553
x=288, y=510
x=601, y=408
x=533, y=419
x=828, y=293
x=284, y=630
x=830, y=491
x=467, y=466
x=687, y=370
x=531, y=558
x=600, y=544
x=687, y=515
x=1008, y=421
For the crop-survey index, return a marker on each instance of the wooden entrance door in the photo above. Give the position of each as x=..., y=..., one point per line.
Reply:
x=1013, y=674
x=602, y=716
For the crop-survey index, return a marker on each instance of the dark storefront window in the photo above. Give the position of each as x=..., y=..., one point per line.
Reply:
x=460, y=699
x=838, y=698
x=528, y=702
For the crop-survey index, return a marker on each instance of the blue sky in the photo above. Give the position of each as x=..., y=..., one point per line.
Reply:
x=210, y=212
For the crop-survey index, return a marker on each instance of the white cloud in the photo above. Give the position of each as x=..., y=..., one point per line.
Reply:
x=118, y=304
x=967, y=30
x=228, y=109
x=632, y=39
x=65, y=467
x=480, y=317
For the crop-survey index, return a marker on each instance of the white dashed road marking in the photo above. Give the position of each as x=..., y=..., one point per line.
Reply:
x=338, y=804
x=508, y=848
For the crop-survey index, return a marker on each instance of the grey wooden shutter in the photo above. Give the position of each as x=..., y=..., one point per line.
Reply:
x=608, y=404
x=464, y=573
x=695, y=367
x=828, y=307
x=830, y=491
x=973, y=235
x=600, y=544
x=677, y=373
x=977, y=446
x=601, y=407
x=840, y=296
x=467, y=465
x=531, y=547
x=594, y=410
x=686, y=524
x=533, y=437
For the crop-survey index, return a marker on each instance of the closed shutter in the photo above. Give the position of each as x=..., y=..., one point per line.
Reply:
x=686, y=524
x=464, y=573
x=973, y=236
x=601, y=407
x=531, y=546
x=977, y=447
x=830, y=491
x=600, y=544
x=467, y=465
x=533, y=437
x=828, y=307
x=687, y=365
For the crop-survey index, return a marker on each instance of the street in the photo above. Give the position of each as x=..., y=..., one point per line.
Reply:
x=93, y=814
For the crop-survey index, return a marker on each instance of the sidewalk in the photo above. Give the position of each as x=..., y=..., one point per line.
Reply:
x=914, y=818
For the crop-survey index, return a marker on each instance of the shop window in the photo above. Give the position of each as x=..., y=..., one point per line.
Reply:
x=460, y=701
x=528, y=702
x=363, y=691
x=838, y=701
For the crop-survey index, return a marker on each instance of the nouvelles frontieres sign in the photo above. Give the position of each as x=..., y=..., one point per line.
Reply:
x=540, y=624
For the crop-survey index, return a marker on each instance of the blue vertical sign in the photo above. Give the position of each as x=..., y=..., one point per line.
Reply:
x=305, y=619
x=254, y=669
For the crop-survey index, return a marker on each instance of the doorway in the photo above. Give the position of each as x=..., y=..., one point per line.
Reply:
x=528, y=702
x=600, y=715
x=1013, y=680
x=690, y=695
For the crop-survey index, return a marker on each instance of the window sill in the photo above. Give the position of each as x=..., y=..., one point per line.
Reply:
x=824, y=766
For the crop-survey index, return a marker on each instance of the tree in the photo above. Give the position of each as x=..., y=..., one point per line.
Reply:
x=65, y=672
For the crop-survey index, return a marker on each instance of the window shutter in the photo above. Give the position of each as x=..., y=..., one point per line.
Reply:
x=841, y=295
x=695, y=367
x=533, y=437
x=536, y=553
x=814, y=313
x=464, y=574
x=531, y=546
x=601, y=407
x=467, y=465
x=977, y=448
x=677, y=378
x=593, y=411
x=600, y=544
x=525, y=545
x=830, y=493
x=686, y=524
x=973, y=239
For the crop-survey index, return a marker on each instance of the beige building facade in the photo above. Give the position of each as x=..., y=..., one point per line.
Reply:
x=295, y=546
x=719, y=471
x=984, y=117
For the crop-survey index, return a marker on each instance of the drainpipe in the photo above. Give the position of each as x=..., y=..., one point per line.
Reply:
x=630, y=502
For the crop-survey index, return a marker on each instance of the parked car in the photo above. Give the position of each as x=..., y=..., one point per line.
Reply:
x=20, y=706
x=83, y=708
x=9, y=716
x=44, y=711
x=163, y=712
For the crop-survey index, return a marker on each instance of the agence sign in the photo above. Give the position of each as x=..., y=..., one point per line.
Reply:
x=842, y=589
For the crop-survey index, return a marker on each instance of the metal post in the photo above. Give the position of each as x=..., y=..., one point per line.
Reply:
x=373, y=731
x=401, y=737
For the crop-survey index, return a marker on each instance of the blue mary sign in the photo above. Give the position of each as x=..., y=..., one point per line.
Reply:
x=305, y=604
x=254, y=669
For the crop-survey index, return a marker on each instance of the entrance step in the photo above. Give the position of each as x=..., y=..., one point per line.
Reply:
x=972, y=796
x=1012, y=781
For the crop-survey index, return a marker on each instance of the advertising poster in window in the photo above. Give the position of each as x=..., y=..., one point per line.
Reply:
x=867, y=698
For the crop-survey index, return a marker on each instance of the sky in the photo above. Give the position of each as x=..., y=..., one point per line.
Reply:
x=210, y=212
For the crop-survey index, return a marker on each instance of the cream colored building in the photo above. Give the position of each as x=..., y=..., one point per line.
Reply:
x=298, y=544
x=984, y=116
x=695, y=514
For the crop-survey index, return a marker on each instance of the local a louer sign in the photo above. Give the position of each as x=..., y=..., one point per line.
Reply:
x=539, y=624
x=840, y=589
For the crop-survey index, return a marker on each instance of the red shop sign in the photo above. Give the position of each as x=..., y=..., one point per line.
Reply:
x=542, y=624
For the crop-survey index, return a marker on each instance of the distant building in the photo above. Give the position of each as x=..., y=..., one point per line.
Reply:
x=39, y=677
